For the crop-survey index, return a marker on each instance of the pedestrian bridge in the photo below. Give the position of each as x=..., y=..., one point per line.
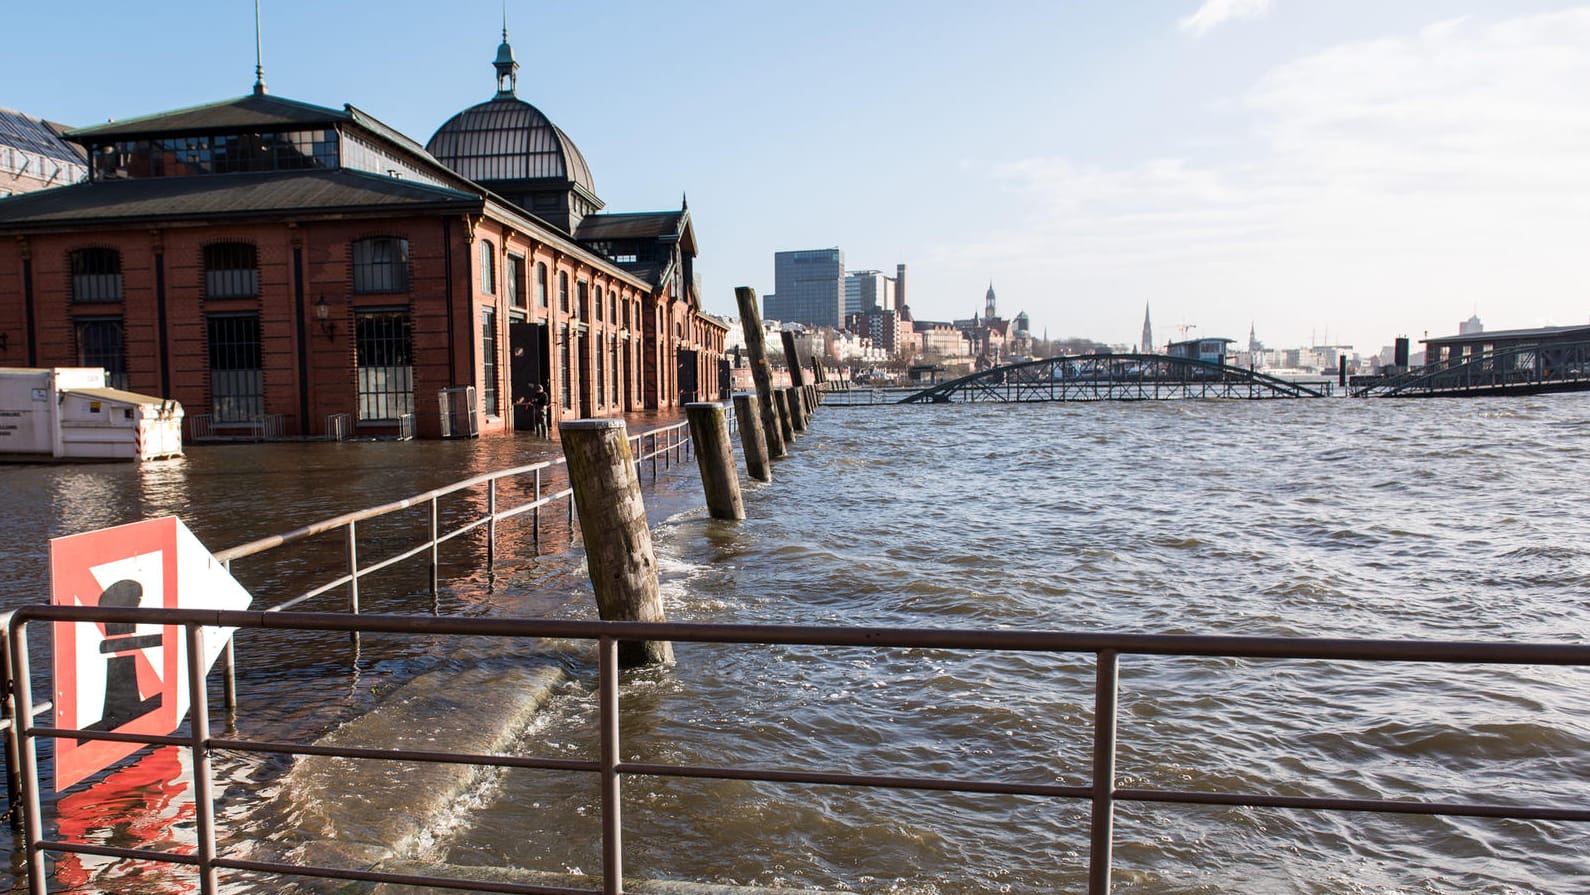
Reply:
x=1516, y=370
x=1113, y=377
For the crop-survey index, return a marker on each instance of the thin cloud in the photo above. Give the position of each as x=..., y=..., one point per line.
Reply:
x=1391, y=185
x=1216, y=12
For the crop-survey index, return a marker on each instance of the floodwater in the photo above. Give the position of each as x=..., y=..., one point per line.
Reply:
x=1423, y=519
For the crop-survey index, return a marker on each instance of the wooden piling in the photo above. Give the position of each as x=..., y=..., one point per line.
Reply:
x=792, y=358
x=786, y=428
x=709, y=430
x=797, y=409
x=613, y=526
x=761, y=373
x=753, y=439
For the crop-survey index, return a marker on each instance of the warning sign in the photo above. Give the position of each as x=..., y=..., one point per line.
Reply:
x=129, y=678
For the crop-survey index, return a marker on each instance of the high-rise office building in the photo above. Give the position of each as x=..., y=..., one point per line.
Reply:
x=808, y=287
x=869, y=290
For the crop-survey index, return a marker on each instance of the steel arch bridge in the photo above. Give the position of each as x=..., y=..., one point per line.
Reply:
x=1111, y=377
x=1520, y=370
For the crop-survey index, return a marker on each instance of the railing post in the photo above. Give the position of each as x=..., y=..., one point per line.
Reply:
x=27, y=760
x=199, y=744
x=436, y=556
x=612, y=803
x=1105, y=694
x=229, y=679
x=491, y=524
x=13, y=766
x=353, y=574
x=535, y=514
x=229, y=667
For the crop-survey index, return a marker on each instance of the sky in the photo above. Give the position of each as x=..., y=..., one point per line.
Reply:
x=1339, y=172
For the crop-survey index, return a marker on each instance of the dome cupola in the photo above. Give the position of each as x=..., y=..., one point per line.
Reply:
x=509, y=147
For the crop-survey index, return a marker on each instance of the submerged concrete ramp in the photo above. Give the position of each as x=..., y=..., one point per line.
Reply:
x=377, y=815
x=351, y=813
x=563, y=880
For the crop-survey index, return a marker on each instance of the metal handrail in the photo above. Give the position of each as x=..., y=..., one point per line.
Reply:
x=668, y=442
x=1101, y=792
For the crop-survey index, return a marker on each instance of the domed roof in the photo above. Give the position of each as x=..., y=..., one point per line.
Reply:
x=507, y=139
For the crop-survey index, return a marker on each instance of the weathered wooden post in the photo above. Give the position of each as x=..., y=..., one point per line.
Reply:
x=797, y=408
x=613, y=526
x=761, y=374
x=753, y=439
x=709, y=429
x=819, y=374
x=786, y=428
x=792, y=358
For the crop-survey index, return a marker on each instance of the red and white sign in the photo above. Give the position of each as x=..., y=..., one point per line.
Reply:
x=129, y=678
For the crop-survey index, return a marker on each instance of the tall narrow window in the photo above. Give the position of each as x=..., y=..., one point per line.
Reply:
x=617, y=393
x=582, y=295
x=100, y=344
x=488, y=268
x=601, y=372
x=566, y=367
x=385, y=364
x=541, y=285
x=488, y=354
x=563, y=292
x=513, y=280
x=612, y=306
x=380, y=265
x=96, y=275
x=231, y=270
x=598, y=303
x=237, y=382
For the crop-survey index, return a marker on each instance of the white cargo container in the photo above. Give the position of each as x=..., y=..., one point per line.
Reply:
x=67, y=413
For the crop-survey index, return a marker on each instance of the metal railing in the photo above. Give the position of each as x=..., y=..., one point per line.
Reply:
x=339, y=426
x=1519, y=369
x=266, y=427
x=1101, y=793
x=665, y=445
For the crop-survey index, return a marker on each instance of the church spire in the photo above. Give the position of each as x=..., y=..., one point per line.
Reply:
x=507, y=68
x=988, y=303
x=1148, y=332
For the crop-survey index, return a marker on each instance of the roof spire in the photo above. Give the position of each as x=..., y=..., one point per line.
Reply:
x=507, y=68
x=259, y=56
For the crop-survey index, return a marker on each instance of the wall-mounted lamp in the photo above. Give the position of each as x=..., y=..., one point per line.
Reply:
x=323, y=316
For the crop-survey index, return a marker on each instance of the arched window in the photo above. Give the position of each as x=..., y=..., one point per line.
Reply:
x=488, y=268
x=541, y=285
x=563, y=292
x=231, y=270
x=96, y=275
x=598, y=303
x=380, y=264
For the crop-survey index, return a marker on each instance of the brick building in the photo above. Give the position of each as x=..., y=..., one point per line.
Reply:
x=285, y=267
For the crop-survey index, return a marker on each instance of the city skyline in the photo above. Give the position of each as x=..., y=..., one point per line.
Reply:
x=1305, y=168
